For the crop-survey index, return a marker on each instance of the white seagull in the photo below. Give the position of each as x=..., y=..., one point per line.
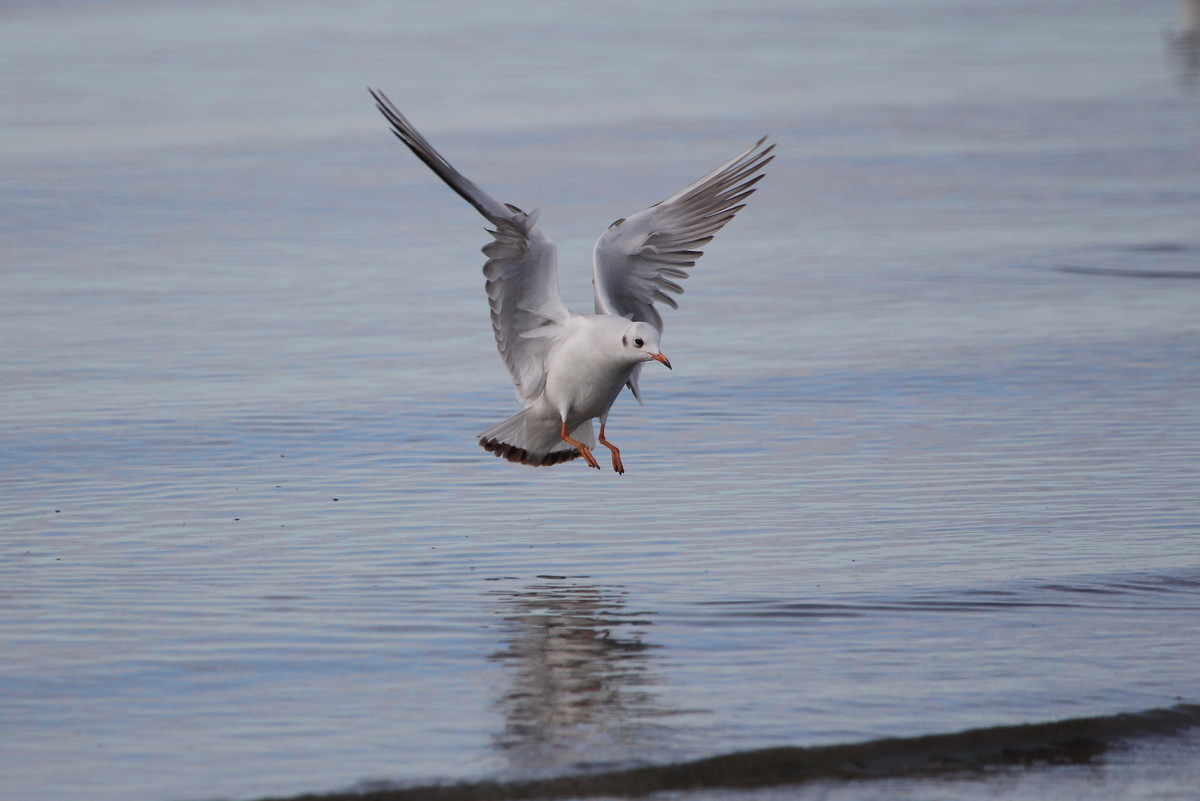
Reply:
x=569, y=368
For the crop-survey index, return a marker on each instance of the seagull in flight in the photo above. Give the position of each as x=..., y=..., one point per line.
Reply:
x=569, y=368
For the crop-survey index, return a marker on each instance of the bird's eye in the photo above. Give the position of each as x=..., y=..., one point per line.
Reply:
x=638, y=342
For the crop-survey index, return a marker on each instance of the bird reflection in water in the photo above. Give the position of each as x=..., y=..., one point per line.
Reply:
x=581, y=679
x=1184, y=45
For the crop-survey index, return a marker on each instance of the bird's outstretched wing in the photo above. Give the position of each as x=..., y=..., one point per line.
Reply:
x=521, y=270
x=638, y=260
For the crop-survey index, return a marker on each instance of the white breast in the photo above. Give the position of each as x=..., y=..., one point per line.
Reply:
x=587, y=368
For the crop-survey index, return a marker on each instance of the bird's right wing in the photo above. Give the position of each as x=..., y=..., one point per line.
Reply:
x=638, y=260
x=521, y=270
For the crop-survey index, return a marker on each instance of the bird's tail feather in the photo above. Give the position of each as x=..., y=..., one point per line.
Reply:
x=533, y=439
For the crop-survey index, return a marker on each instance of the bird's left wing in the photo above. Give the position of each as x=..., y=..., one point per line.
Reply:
x=638, y=260
x=521, y=270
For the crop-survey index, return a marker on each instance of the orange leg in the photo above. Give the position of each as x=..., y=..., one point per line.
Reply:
x=617, y=464
x=583, y=449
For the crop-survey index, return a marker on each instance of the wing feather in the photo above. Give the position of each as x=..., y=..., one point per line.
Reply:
x=521, y=269
x=635, y=260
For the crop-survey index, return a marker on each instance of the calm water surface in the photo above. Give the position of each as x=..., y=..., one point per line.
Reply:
x=929, y=459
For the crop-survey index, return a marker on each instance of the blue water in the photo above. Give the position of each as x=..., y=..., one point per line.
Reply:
x=929, y=458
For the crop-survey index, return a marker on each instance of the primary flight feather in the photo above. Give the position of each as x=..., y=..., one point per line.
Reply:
x=569, y=368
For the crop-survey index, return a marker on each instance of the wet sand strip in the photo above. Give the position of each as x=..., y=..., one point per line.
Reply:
x=1076, y=741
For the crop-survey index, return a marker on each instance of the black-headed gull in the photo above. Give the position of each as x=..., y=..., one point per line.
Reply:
x=569, y=368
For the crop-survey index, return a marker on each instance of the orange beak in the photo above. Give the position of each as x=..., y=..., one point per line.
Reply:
x=658, y=357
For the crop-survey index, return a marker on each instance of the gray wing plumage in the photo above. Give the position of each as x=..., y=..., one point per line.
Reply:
x=639, y=259
x=521, y=270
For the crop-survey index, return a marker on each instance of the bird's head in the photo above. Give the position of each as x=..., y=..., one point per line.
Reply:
x=640, y=341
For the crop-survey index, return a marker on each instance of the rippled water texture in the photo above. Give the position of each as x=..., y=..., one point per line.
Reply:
x=928, y=460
